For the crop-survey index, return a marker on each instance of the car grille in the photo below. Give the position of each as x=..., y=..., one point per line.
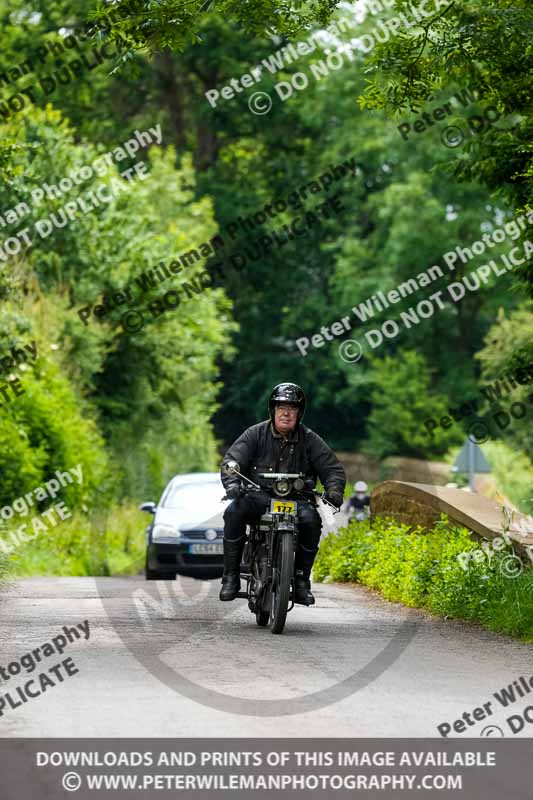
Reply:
x=200, y=534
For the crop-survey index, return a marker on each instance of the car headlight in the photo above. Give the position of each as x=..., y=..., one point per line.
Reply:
x=161, y=531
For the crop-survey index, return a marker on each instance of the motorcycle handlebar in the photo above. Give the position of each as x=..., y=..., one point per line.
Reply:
x=324, y=499
x=253, y=487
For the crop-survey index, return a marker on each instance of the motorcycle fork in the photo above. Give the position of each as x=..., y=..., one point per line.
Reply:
x=274, y=536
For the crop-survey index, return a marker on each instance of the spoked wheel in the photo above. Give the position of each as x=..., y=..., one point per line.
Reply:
x=281, y=583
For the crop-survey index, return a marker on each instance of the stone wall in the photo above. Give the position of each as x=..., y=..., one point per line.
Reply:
x=422, y=504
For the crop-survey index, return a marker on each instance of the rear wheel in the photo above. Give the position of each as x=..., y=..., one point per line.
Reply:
x=262, y=617
x=281, y=582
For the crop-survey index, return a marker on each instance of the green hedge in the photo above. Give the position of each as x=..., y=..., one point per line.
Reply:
x=422, y=570
x=4, y=567
x=102, y=543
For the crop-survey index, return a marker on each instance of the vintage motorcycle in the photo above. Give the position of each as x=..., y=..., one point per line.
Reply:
x=359, y=515
x=267, y=562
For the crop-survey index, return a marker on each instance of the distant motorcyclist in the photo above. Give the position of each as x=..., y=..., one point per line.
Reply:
x=280, y=444
x=358, y=504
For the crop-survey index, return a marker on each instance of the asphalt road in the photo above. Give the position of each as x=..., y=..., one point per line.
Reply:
x=168, y=659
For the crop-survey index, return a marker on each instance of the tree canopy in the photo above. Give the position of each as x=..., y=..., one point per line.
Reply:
x=488, y=48
x=137, y=406
x=139, y=25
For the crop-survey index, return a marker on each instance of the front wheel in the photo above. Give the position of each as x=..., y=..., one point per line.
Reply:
x=281, y=582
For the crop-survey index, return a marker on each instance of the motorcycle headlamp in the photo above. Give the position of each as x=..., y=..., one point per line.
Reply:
x=298, y=484
x=282, y=487
x=161, y=531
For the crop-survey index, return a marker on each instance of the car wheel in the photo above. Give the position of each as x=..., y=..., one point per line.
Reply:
x=150, y=574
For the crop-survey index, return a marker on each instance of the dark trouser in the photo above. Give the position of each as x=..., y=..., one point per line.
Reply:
x=247, y=509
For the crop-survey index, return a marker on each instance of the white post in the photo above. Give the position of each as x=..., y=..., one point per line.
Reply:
x=471, y=454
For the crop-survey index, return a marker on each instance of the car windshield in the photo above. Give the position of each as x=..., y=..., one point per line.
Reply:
x=194, y=495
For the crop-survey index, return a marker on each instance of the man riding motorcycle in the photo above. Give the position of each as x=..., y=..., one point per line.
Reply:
x=280, y=444
x=359, y=501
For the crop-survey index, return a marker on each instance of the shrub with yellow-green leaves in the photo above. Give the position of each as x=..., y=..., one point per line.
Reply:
x=423, y=569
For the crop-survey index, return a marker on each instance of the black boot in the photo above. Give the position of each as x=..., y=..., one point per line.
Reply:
x=303, y=565
x=231, y=582
x=302, y=590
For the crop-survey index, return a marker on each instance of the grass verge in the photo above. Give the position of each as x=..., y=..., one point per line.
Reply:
x=109, y=542
x=422, y=570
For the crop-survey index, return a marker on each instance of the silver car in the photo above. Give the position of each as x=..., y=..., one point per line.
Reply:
x=185, y=535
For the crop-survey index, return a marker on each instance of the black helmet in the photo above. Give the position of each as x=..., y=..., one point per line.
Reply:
x=287, y=393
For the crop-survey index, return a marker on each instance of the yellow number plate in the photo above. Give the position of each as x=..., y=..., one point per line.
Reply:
x=283, y=507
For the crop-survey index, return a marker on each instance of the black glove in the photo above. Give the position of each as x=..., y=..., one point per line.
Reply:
x=335, y=497
x=234, y=490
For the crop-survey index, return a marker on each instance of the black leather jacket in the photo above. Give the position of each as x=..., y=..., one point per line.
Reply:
x=261, y=449
x=358, y=503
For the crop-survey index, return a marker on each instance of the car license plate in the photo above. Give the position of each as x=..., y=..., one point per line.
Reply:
x=283, y=507
x=214, y=549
